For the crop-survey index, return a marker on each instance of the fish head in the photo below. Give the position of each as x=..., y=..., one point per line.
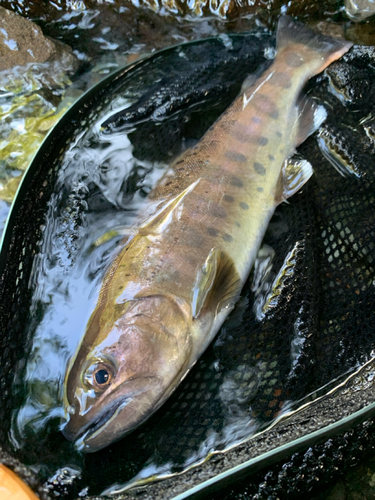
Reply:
x=126, y=366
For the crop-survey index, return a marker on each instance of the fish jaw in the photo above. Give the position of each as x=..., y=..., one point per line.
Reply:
x=143, y=354
x=119, y=416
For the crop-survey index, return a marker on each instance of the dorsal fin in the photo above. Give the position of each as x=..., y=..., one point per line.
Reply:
x=218, y=284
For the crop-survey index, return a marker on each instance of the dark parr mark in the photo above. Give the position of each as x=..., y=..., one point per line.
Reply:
x=293, y=59
x=212, y=231
x=260, y=189
x=192, y=238
x=256, y=120
x=227, y=237
x=236, y=181
x=259, y=168
x=238, y=224
x=239, y=133
x=280, y=79
x=265, y=104
x=234, y=156
x=228, y=198
x=217, y=211
x=244, y=205
x=279, y=134
x=271, y=157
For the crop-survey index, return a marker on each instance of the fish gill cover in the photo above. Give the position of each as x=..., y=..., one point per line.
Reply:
x=303, y=325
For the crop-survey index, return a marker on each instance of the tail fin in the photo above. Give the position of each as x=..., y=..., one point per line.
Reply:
x=328, y=49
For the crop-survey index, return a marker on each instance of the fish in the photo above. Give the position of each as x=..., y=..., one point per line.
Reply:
x=180, y=270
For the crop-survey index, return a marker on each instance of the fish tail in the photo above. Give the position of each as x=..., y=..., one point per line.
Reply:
x=324, y=49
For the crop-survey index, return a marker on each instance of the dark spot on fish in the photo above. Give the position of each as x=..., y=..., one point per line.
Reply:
x=280, y=79
x=259, y=168
x=293, y=59
x=169, y=183
x=256, y=119
x=260, y=189
x=234, y=156
x=262, y=141
x=229, y=198
x=227, y=237
x=212, y=231
x=271, y=157
x=244, y=205
x=279, y=134
x=238, y=224
x=217, y=210
x=274, y=114
x=236, y=181
x=180, y=161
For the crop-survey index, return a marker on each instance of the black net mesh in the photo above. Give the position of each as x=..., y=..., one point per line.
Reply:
x=305, y=328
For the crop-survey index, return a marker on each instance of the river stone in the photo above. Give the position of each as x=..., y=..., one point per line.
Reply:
x=22, y=42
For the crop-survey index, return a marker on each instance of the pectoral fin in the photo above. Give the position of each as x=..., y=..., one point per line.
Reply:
x=218, y=284
x=294, y=174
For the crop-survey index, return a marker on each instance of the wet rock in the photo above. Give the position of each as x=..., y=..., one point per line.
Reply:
x=329, y=29
x=362, y=34
x=22, y=42
x=359, y=9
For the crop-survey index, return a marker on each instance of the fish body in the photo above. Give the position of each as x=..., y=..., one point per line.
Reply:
x=180, y=271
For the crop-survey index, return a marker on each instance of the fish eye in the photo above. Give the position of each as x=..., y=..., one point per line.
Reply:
x=102, y=376
x=99, y=376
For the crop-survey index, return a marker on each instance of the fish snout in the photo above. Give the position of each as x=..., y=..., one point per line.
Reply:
x=108, y=419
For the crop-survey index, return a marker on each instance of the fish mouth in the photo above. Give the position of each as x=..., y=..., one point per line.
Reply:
x=94, y=425
x=104, y=419
x=94, y=435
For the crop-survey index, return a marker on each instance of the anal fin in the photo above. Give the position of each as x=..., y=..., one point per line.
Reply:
x=294, y=174
x=217, y=285
x=310, y=116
